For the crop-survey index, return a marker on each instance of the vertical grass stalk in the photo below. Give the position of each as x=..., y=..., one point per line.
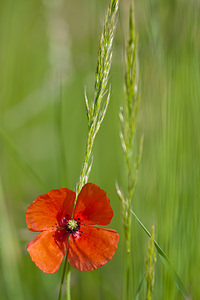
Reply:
x=149, y=266
x=63, y=276
x=128, y=117
x=96, y=109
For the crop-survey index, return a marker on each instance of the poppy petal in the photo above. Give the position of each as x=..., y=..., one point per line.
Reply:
x=93, y=206
x=48, y=209
x=93, y=248
x=46, y=253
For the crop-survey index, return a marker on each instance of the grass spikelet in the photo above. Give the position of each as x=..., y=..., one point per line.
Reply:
x=96, y=109
x=128, y=117
x=149, y=266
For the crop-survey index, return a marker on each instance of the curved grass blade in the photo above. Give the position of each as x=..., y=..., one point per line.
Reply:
x=165, y=261
x=139, y=288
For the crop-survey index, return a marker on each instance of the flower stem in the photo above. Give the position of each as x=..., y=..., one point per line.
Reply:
x=68, y=275
x=96, y=111
x=66, y=267
x=128, y=265
x=127, y=275
x=62, y=279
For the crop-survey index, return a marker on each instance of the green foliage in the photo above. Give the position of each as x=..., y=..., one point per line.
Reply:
x=95, y=111
x=128, y=117
x=168, y=183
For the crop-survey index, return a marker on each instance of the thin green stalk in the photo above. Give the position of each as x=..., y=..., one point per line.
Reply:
x=128, y=259
x=139, y=288
x=66, y=264
x=68, y=275
x=128, y=275
x=150, y=266
x=96, y=110
x=62, y=279
x=165, y=261
x=128, y=117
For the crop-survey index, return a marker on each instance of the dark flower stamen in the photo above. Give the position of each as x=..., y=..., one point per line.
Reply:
x=66, y=225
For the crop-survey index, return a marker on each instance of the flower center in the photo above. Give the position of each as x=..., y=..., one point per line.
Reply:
x=68, y=226
x=72, y=225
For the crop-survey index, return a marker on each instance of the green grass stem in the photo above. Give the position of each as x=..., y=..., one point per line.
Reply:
x=150, y=266
x=128, y=118
x=96, y=109
x=66, y=272
x=165, y=261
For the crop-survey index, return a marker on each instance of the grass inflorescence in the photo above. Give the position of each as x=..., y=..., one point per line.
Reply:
x=128, y=117
x=150, y=266
x=96, y=109
x=42, y=41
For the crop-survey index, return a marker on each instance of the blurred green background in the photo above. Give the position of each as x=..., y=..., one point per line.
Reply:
x=48, y=55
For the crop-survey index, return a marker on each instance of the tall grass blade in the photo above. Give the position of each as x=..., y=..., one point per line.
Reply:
x=165, y=261
x=139, y=288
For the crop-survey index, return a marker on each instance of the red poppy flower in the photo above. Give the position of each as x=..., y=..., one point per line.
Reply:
x=89, y=247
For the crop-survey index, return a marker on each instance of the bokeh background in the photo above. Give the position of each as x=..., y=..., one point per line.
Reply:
x=48, y=55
